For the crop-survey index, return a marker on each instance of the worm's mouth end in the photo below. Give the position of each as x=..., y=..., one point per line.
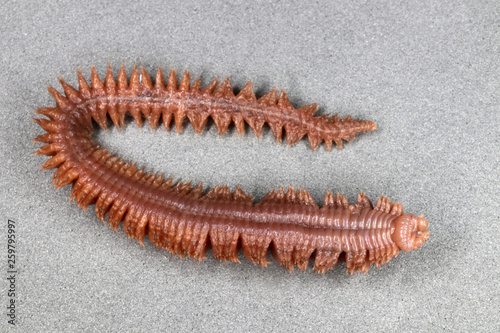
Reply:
x=410, y=232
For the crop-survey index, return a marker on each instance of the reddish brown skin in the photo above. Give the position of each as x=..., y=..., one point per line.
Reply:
x=184, y=221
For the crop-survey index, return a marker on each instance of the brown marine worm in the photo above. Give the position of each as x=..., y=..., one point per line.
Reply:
x=187, y=222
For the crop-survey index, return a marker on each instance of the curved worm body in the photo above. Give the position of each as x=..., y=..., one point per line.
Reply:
x=184, y=221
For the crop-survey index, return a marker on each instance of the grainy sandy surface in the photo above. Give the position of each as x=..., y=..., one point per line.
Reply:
x=427, y=73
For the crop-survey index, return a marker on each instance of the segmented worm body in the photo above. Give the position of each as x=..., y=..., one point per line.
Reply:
x=185, y=221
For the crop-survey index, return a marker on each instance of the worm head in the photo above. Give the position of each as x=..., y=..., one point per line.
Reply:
x=409, y=232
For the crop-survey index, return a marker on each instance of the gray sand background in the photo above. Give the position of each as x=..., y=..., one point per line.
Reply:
x=427, y=72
